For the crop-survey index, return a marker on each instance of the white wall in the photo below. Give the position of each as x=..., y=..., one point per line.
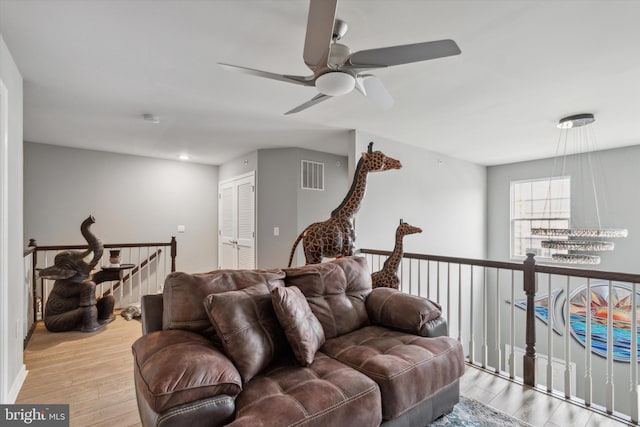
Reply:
x=133, y=199
x=12, y=369
x=442, y=195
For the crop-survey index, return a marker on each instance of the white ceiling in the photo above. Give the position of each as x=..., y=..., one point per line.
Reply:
x=92, y=68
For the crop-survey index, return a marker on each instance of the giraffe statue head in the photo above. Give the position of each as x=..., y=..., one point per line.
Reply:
x=406, y=229
x=377, y=161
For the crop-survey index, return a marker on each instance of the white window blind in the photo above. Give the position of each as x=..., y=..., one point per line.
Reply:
x=537, y=203
x=312, y=175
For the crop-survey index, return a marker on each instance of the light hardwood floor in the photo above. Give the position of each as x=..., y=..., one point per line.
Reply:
x=93, y=373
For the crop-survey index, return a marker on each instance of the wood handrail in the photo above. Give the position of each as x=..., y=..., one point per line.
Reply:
x=452, y=260
x=106, y=246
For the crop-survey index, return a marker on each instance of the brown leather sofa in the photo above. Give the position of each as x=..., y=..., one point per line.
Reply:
x=312, y=346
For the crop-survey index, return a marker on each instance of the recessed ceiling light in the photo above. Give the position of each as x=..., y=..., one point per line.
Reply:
x=151, y=118
x=183, y=156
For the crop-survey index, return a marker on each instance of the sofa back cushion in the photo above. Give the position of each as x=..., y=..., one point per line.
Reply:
x=250, y=332
x=336, y=292
x=184, y=293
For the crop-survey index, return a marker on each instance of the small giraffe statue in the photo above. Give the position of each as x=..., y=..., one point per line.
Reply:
x=387, y=277
x=335, y=237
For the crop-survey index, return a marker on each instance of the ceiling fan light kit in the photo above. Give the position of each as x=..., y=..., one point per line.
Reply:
x=337, y=71
x=335, y=84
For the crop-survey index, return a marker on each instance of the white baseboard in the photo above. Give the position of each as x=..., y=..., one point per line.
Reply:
x=17, y=385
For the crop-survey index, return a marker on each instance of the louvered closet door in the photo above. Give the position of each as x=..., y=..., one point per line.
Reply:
x=236, y=217
x=245, y=191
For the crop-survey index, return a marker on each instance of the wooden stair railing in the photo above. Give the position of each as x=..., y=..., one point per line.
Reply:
x=135, y=270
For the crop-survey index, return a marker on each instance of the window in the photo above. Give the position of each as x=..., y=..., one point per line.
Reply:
x=544, y=203
x=312, y=175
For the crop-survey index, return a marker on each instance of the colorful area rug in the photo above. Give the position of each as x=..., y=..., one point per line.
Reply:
x=469, y=412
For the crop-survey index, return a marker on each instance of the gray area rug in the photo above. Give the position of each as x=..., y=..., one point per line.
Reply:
x=469, y=412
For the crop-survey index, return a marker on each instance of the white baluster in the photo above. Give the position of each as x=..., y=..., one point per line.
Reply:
x=588, y=382
x=610, y=350
x=460, y=303
x=549, y=338
x=402, y=287
x=567, y=343
x=634, y=355
x=448, y=293
x=139, y=274
x=498, y=312
x=419, y=279
x=148, y=270
x=428, y=279
x=512, y=334
x=471, y=338
x=438, y=282
x=485, y=350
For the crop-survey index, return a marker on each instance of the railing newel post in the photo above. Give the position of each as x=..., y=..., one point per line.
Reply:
x=530, y=289
x=174, y=252
x=34, y=278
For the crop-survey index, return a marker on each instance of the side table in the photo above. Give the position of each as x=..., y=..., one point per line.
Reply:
x=111, y=273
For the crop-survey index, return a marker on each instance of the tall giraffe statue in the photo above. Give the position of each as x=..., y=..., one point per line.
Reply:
x=335, y=237
x=388, y=277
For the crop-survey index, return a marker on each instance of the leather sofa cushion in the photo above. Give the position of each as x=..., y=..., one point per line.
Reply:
x=250, y=332
x=176, y=367
x=397, y=310
x=324, y=394
x=407, y=368
x=336, y=292
x=301, y=327
x=183, y=295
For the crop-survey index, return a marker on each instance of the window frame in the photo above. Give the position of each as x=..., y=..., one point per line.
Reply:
x=544, y=254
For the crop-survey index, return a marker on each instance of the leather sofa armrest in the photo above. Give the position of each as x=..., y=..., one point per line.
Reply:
x=176, y=367
x=151, y=312
x=407, y=313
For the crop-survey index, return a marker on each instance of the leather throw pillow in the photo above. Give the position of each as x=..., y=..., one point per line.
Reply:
x=250, y=332
x=301, y=327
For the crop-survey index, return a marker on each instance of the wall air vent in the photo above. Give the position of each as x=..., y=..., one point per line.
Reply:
x=312, y=175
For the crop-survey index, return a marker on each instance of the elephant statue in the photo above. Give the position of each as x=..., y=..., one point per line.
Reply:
x=72, y=303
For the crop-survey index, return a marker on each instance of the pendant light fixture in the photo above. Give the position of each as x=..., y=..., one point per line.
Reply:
x=578, y=241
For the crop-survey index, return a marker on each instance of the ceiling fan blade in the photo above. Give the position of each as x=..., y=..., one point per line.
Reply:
x=322, y=14
x=310, y=103
x=376, y=92
x=403, y=54
x=301, y=80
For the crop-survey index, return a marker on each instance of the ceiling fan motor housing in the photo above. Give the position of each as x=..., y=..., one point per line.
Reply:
x=338, y=54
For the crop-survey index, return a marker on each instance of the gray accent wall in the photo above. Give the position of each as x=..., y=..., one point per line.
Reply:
x=283, y=204
x=133, y=199
x=617, y=176
x=13, y=304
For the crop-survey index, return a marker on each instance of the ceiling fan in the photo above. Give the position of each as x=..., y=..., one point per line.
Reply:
x=337, y=71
